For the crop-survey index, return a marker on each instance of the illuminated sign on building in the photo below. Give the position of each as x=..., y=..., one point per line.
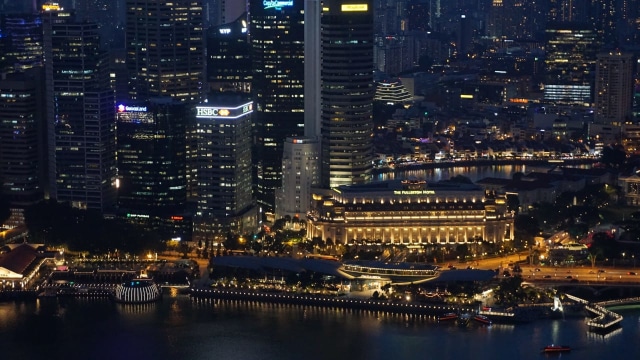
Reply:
x=218, y=112
x=276, y=4
x=414, y=192
x=225, y=31
x=125, y=108
x=51, y=7
x=354, y=7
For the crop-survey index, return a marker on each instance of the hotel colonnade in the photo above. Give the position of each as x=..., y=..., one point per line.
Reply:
x=437, y=214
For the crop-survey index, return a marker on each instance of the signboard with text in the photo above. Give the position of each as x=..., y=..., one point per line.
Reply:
x=220, y=112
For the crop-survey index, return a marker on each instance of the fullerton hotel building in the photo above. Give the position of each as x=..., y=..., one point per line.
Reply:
x=410, y=212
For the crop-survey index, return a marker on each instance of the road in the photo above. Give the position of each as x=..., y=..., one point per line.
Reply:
x=553, y=273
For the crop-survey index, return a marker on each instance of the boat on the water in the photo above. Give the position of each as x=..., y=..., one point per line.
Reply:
x=556, y=348
x=482, y=319
x=448, y=316
x=463, y=320
x=137, y=291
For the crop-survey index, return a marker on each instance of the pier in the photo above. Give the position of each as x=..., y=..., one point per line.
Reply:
x=604, y=320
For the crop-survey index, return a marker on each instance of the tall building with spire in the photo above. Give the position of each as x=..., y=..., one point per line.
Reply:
x=347, y=92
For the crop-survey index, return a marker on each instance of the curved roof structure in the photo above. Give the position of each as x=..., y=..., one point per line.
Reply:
x=397, y=273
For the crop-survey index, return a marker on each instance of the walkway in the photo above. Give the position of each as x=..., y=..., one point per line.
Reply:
x=604, y=319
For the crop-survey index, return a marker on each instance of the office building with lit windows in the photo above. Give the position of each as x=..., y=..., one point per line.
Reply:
x=21, y=141
x=300, y=172
x=277, y=42
x=152, y=187
x=22, y=35
x=225, y=200
x=228, y=57
x=570, y=63
x=410, y=212
x=614, y=87
x=80, y=113
x=347, y=93
x=165, y=49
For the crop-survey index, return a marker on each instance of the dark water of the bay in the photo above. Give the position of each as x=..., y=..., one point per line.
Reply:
x=181, y=328
x=474, y=173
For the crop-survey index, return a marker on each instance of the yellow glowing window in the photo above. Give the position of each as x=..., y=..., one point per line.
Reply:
x=354, y=7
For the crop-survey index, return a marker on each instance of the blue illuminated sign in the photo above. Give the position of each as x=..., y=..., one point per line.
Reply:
x=276, y=4
x=125, y=108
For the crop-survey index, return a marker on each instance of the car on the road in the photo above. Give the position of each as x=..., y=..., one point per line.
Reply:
x=537, y=269
x=547, y=276
x=600, y=270
x=631, y=273
x=568, y=277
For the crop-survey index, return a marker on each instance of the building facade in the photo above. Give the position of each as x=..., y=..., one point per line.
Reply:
x=570, y=63
x=229, y=56
x=410, y=212
x=347, y=93
x=21, y=141
x=225, y=201
x=152, y=165
x=165, y=49
x=80, y=113
x=614, y=88
x=300, y=173
x=277, y=42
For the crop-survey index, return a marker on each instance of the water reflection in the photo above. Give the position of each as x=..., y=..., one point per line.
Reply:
x=474, y=173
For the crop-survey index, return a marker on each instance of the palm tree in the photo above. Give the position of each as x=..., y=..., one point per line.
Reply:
x=593, y=255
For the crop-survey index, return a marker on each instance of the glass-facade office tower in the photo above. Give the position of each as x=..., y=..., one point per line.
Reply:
x=347, y=93
x=165, y=49
x=225, y=199
x=152, y=164
x=166, y=57
x=614, y=88
x=277, y=41
x=80, y=113
x=229, y=57
x=21, y=140
x=570, y=63
x=21, y=40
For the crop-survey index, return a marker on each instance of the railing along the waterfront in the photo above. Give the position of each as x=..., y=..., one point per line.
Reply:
x=604, y=318
x=625, y=301
x=341, y=302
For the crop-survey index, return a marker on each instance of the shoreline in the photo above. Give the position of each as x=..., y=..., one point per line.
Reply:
x=481, y=162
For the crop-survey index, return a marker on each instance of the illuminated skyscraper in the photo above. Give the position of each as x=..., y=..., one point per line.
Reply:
x=570, y=63
x=614, y=87
x=80, y=113
x=277, y=40
x=228, y=56
x=22, y=35
x=225, y=200
x=152, y=165
x=21, y=140
x=165, y=49
x=347, y=92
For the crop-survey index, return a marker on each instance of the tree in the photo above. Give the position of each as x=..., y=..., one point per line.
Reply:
x=513, y=203
x=593, y=255
x=613, y=156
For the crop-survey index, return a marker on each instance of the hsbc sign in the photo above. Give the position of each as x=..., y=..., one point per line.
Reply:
x=213, y=112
